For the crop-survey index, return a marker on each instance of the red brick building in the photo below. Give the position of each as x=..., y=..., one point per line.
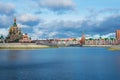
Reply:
x=118, y=34
x=82, y=41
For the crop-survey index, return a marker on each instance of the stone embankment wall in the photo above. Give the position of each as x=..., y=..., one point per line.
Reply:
x=21, y=46
x=97, y=45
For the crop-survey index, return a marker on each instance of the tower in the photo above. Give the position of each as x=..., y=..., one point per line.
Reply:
x=118, y=34
x=82, y=41
x=14, y=24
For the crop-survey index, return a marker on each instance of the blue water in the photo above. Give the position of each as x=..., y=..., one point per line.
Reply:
x=60, y=64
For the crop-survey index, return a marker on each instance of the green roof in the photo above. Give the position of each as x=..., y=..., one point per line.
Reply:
x=14, y=24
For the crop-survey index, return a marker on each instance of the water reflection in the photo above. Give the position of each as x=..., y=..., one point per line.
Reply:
x=14, y=55
x=13, y=58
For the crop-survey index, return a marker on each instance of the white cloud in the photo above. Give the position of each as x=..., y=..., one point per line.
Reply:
x=33, y=36
x=97, y=36
x=108, y=35
x=87, y=36
x=57, y=5
x=7, y=8
x=52, y=34
x=5, y=21
x=22, y=26
x=27, y=18
x=3, y=31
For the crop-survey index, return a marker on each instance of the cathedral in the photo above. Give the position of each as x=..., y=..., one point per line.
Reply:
x=16, y=35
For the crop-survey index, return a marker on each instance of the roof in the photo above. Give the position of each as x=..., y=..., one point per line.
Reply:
x=15, y=24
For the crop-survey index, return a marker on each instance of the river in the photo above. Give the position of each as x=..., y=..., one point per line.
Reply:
x=73, y=63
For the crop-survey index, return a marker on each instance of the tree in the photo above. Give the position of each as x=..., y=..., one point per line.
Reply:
x=2, y=37
x=90, y=38
x=106, y=38
x=100, y=37
x=112, y=39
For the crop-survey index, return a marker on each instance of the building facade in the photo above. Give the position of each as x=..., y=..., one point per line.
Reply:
x=101, y=42
x=25, y=39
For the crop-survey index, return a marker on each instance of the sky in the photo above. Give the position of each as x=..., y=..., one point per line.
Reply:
x=61, y=18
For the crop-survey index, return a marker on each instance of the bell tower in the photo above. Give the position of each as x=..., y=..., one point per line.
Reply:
x=82, y=41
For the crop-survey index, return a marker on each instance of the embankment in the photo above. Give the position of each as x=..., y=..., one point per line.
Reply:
x=21, y=46
x=97, y=45
x=115, y=47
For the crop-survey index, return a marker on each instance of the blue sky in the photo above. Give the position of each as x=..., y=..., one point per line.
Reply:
x=61, y=18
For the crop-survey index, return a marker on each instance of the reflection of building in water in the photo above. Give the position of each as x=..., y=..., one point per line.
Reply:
x=13, y=55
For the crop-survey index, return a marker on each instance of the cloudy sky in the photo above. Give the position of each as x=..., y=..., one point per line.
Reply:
x=61, y=18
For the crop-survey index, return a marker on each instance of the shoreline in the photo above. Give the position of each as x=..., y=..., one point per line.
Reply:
x=33, y=46
x=115, y=48
x=22, y=46
x=96, y=45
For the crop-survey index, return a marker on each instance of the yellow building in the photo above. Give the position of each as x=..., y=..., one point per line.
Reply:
x=25, y=39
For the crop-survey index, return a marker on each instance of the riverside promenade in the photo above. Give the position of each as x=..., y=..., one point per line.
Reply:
x=21, y=46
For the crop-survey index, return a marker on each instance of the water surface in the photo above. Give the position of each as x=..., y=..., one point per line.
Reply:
x=60, y=64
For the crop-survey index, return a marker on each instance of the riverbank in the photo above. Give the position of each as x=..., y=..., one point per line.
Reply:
x=17, y=46
x=96, y=45
x=115, y=47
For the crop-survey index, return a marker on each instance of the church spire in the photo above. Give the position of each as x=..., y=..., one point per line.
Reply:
x=15, y=22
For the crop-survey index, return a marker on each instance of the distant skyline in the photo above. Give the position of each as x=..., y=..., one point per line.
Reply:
x=61, y=18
